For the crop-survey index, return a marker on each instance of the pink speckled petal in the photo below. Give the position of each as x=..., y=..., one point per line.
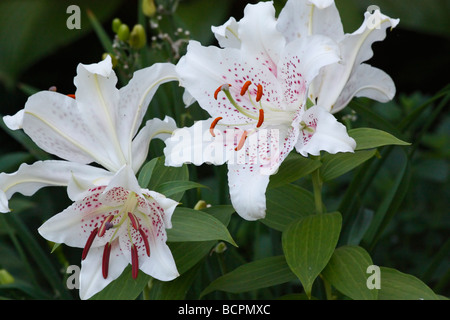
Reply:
x=203, y=69
x=74, y=225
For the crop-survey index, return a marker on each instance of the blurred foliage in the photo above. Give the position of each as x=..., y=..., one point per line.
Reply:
x=38, y=51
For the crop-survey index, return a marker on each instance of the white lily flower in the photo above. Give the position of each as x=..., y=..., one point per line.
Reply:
x=255, y=90
x=339, y=82
x=100, y=125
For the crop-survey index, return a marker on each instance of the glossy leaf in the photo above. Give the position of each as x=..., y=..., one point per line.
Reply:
x=368, y=138
x=194, y=225
x=124, y=287
x=347, y=272
x=285, y=204
x=308, y=244
x=396, y=285
x=335, y=165
x=173, y=187
x=293, y=168
x=258, y=274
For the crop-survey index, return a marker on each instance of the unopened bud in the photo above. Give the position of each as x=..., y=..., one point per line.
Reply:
x=5, y=277
x=116, y=23
x=201, y=204
x=138, y=38
x=123, y=32
x=148, y=7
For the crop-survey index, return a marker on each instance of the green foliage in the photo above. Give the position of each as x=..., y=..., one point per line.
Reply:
x=386, y=203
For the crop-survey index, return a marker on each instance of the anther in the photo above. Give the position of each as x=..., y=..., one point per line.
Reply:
x=221, y=88
x=245, y=87
x=213, y=125
x=259, y=93
x=134, y=221
x=88, y=244
x=241, y=142
x=261, y=118
x=105, y=260
x=106, y=225
x=144, y=238
x=134, y=262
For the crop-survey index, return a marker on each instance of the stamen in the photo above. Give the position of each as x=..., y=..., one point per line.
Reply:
x=261, y=118
x=134, y=221
x=88, y=244
x=105, y=225
x=241, y=142
x=259, y=93
x=105, y=260
x=213, y=125
x=245, y=87
x=221, y=88
x=134, y=262
x=144, y=237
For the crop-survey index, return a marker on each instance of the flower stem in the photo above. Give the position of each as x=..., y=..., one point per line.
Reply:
x=317, y=188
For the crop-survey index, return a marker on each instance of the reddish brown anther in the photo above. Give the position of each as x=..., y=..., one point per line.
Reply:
x=105, y=260
x=88, y=244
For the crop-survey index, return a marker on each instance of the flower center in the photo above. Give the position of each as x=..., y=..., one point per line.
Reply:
x=259, y=119
x=125, y=215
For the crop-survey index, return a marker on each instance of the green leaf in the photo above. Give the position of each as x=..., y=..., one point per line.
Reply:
x=347, y=272
x=368, y=138
x=32, y=30
x=145, y=174
x=188, y=254
x=254, y=275
x=389, y=205
x=286, y=204
x=194, y=225
x=293, y=168
x=396, y=285
x=161, y=174
x=335, y=165
x=124, y=287
x=173, y=187
x=308, y=244
x=175, y=289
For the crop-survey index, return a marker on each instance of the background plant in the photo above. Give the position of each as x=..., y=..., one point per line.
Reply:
x=393, y=204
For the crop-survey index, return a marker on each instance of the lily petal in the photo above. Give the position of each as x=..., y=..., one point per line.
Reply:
x=54, y=123
x=227, y=34
x=355, y=49
x=154, y=128
x=30, y=178
x=97, y=100
x=247, y=191
x=91, y=278
x=300, y=18
x=196, y=145
x=323, y=133
x=135, y=98
x=366, y=81
x=259, y=36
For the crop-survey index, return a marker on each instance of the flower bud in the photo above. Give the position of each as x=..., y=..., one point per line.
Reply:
x=138, y=37
x=116, y=23
x=123, y=32
x=5, y=277
x=148, y=7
